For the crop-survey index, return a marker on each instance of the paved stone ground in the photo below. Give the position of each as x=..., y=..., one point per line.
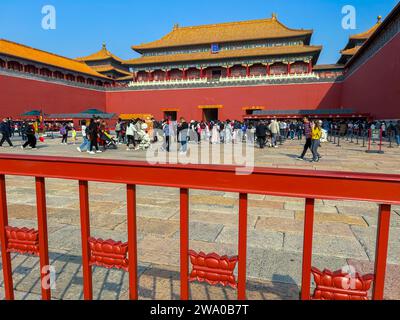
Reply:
x=345, y=231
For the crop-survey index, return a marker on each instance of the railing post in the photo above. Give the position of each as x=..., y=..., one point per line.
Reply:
x=184, y=242
x=85, y=234
x=132, y=241
x=381, y=251
x=307, y=249
x=242, y=250
x=5, y=256
x=43, y=237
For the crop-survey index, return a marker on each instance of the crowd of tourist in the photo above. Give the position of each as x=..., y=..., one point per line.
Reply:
x=140, y=134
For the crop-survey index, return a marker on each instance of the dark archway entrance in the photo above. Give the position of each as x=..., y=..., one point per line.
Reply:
x=210, y=114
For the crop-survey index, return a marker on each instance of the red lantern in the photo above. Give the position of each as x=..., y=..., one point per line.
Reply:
x=41, y=139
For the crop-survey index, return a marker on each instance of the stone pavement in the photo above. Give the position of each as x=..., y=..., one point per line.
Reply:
x=345, y=231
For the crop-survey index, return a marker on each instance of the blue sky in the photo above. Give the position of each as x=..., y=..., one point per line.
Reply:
x=83, y=25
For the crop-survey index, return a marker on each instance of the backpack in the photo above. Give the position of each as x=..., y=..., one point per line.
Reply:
x=63, y=130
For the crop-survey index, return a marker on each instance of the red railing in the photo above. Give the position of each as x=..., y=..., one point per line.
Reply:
x=311, y=185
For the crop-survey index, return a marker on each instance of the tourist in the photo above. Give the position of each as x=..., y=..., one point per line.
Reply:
x=397, y=133
x=31, y=138
x=5, y=130
x=118, y=130
x=166, y=127
x=138, y=125
x=221, y=129
x=86, y=143
x=93, y=135
x=299, y=130
x=73, y=133
x=228, y=132
x=292, y=130
x=64, y=133
x=182, y=130
x=315, y=140
x=24, y=127
x=307, y=133
x=261, y=133
x=215, y=138
x=275, y=129
x=130, y=135
x=144, y=137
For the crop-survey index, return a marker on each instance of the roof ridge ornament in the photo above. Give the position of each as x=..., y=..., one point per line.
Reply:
x=379, y=19
x=104, y=45
x=176, y=26
x=274, y=16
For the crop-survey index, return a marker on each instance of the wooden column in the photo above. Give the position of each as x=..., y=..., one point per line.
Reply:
x=228, y=72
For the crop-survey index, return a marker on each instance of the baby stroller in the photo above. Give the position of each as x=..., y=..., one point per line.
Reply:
x=107, y=141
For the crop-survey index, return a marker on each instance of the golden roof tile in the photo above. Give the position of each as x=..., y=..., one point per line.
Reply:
x=365, y=35
x=224, y=32
x=351, y=51
x=101, y=69
x=103, y=54
x=28, y=53
x=226, y=54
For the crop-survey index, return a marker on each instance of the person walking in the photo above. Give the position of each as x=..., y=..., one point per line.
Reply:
x=316, y=140
x=182, y=131
x=275, y=130
x=308, y=135
x=261, y=134
x=64, y=134
x=167, y=133
x=130, y=135
x=31, y=138
x=6, y=133
x=215, y=133
x=73, y=133
x=86, y=143
x=93, y=135
x=397, y=132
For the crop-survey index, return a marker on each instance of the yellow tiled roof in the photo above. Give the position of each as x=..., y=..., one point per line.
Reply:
x=351, y=51
x=198, y=56
x=100, y=55
x=224, y=32
x=110, y=68
x=29, y=53
x=365, y=35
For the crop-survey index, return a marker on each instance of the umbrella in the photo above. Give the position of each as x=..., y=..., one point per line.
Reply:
x=93, y=111
x=35, y=113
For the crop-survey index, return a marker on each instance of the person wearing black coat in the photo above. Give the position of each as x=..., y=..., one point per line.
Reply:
x=5, y=130
x=30, y=134
x=261, y=134
x=93, y=134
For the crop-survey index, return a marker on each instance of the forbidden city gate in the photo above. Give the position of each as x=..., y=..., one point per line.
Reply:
x=211, y=268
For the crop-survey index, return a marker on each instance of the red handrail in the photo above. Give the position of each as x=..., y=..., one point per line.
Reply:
x=379, y=188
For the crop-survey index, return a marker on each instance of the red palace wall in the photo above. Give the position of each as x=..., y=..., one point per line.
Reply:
x=18, y=95
x=375, y=87
x=233, y=99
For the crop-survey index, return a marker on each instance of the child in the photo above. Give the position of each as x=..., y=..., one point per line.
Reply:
x=73, y=131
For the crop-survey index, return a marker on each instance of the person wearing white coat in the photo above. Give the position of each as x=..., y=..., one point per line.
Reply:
x=130, y=134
